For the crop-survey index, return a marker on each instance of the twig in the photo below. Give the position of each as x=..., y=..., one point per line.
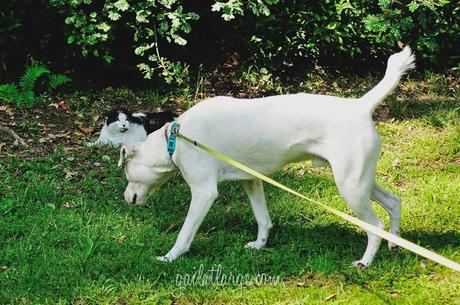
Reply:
x=174, y=226
x=14, y=135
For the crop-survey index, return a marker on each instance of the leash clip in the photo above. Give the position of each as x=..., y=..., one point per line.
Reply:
x=175, y=129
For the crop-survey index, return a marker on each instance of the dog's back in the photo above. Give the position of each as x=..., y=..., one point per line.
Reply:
x=293, y=126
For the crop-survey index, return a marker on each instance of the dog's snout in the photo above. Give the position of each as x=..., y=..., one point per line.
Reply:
x=133, y=196
x=128, y=196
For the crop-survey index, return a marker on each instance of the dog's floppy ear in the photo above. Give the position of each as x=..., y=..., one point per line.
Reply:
x=126, y=151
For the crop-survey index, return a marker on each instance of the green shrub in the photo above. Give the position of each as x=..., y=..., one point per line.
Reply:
x=339, y=32
x=30, y=28
x=161, y=38
x=150, y=24
x=23, y=94
x=57, y=80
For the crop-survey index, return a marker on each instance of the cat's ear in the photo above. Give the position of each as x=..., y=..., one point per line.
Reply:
x=127, y=151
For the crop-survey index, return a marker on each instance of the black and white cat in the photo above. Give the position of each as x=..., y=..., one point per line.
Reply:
x=123, y=127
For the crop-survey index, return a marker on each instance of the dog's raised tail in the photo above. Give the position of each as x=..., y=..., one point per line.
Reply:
x=398, y=65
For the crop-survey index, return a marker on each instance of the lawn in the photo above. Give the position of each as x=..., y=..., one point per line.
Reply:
x=66, y=236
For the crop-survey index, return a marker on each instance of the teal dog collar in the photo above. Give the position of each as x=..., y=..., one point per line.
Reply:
x=171, y=140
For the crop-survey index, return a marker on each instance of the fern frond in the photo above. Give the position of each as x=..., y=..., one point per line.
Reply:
x=31, y=75
x=27, y=99
x=57, y=80
x=9, y=93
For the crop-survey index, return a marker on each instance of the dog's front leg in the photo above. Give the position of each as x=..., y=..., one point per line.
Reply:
x=255, y=190
x=202, y=199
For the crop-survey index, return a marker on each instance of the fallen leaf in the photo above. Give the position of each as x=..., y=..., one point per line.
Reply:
x=79, y=134
x=86, y=129
x=42, y=140
x=63, y=105
x=6, y=109
x=1, y=146
x=95, y=117
x=121, y=239
x=66, y=205
x=62, y=135
x=69, y=174
x=300, y=284
x=422, y=265
x=71, y=148
x=3, y=268
x=395, y=163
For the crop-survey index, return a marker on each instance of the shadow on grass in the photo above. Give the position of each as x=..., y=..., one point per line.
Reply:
x=230, y=225
x=433, y=240
x=435, y=110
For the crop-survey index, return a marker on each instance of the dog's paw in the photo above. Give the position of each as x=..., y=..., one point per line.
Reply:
x=255, y=245
x=360, y=264
x=392, y=246
x=164, y=258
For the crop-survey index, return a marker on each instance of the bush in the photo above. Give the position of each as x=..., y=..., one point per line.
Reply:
x=23, y=95
x=284, y=35
x=94, y=27
x=30, y=29
x=344, y=31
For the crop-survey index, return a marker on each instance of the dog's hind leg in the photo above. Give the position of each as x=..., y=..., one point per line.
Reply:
x=354, y=179
x=392, y=204
x=255, y=190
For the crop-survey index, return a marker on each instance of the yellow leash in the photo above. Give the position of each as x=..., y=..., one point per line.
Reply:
x=362, y=224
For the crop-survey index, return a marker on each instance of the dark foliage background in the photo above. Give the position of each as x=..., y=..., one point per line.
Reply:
x=116, y=40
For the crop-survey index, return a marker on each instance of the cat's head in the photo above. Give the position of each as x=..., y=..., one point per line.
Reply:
x=118, y=120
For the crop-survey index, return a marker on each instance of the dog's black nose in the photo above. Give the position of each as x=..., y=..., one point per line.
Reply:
x=134, y=198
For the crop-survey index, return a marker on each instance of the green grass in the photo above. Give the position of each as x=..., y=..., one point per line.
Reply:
x=73, y=240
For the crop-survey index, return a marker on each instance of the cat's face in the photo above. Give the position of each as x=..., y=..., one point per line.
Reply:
x=117, y=121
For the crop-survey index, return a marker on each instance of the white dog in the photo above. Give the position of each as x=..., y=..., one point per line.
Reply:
x=266, y=134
